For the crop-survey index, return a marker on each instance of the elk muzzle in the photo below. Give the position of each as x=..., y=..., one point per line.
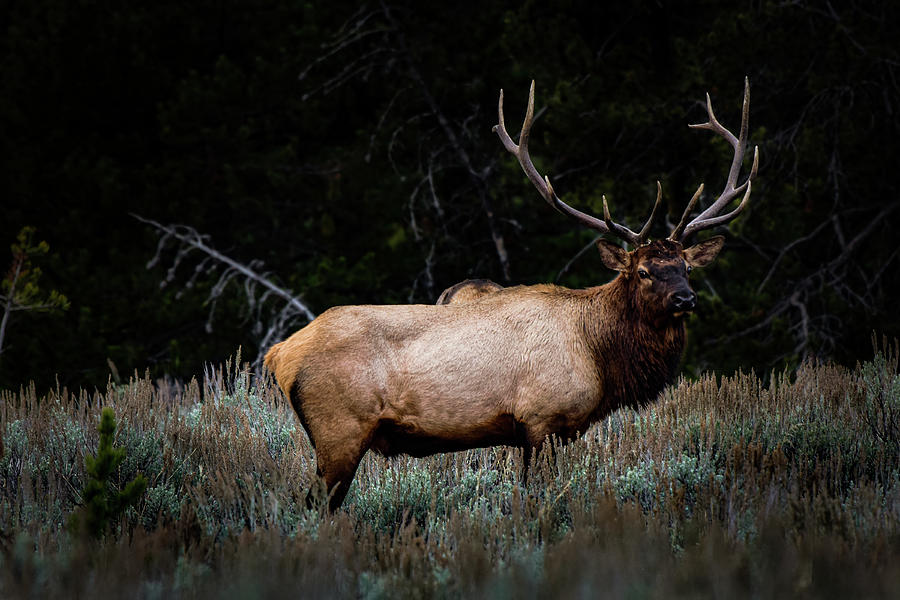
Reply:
x=683, y=301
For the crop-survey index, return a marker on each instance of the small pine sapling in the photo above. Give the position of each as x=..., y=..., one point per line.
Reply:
x=101, y=504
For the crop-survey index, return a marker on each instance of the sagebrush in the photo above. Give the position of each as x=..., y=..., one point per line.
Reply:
x=727, y=487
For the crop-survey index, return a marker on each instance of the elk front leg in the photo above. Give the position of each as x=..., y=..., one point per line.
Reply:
x=542, y=437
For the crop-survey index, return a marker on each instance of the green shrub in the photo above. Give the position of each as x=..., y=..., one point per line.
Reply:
x=880, y=383
x=101, y=503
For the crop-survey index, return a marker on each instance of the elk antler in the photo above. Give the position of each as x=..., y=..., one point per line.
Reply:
x=543, y=183
x=711, y=217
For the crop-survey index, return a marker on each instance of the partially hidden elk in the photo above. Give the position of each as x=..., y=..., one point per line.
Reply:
x=468, y=290
x=517, y=364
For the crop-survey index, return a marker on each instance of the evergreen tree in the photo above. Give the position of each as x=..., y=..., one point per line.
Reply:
x=101, y=503
x=19, y=290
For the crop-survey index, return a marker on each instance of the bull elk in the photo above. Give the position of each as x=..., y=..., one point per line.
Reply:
x=515, y=365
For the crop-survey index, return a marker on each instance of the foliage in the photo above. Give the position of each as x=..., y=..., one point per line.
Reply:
x=19, y=290
x=726, y=486
x=346, y=147
x=100, y=505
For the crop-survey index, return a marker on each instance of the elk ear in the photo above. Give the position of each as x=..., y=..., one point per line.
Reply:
x=613, y=256
x=700, y=255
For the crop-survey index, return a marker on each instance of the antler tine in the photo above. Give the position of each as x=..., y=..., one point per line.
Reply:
x=635, y=239
x=619, y=231
x=676, y=233
x=645, y=230
x=520, y=151
x=543, y=186
x=713, y=221
x=699, y=225
x=710, y=216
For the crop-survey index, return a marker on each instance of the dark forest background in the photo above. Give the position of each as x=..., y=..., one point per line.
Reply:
x=343, y=152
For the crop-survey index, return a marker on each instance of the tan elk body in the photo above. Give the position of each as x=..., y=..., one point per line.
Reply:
x=511, y=366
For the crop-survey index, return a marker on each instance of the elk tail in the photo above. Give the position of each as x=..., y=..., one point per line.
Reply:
x=272, y=357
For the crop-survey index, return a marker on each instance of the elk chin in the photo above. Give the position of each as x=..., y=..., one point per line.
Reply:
x=667, y=319
x=680, y=313
x=675, y=315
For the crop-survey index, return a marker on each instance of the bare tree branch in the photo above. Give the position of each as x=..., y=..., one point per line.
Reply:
x=578, y=255
x=375, y=41
x=269, y=322
x=784, y=251
x=831, y=276
x=9, y=301
x=478, y=176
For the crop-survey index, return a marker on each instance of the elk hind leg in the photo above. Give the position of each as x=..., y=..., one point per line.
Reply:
x=337, y=461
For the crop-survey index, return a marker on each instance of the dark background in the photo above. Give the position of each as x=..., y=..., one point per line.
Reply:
x=346, y=151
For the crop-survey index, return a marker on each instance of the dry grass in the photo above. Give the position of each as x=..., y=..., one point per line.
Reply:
x=726, y=487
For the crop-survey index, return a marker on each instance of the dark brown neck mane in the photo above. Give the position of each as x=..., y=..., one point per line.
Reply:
x=635, y=358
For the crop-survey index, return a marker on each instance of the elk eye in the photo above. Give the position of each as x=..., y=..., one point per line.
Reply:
x=690, y=268
x=643, y=274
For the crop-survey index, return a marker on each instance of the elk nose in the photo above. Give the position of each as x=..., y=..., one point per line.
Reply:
x=684, y=300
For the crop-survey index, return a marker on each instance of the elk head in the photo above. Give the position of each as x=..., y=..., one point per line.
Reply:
x=656, y=275
x=656, y=272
